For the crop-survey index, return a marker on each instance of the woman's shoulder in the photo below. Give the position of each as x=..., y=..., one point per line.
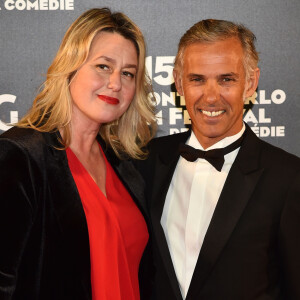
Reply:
x=27, y=137
x=19, y=134
x=22, y=139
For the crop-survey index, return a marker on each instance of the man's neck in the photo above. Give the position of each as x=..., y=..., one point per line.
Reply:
x=224, y=141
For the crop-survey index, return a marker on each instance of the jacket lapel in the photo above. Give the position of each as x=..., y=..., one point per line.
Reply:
x=164, y=169
x=238, y=188
x=67, y=203
x=68, y=208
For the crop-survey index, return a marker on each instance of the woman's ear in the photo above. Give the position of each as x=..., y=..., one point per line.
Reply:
x=252, y=82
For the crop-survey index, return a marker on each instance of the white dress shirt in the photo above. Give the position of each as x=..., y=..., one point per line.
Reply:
x=190, y=203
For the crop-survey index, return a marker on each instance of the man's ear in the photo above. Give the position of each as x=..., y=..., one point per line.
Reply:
x=178, y=82
x=252, y=82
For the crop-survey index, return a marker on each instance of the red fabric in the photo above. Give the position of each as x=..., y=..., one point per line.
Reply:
x=117, y=233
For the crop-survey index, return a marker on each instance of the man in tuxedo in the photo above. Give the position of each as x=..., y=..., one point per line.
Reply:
x=225, y=223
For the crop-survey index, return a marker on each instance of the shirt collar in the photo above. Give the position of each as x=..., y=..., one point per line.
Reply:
x=193, y=141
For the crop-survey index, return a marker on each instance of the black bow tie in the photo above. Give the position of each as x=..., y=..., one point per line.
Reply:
x=215, y=157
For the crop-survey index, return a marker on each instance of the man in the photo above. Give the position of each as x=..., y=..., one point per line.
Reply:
x=229, y=230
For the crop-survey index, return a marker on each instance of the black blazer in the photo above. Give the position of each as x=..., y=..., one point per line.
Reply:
x=44, y=252
x=252, y=247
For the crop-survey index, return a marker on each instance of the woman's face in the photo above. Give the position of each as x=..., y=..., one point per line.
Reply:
x=104, y=85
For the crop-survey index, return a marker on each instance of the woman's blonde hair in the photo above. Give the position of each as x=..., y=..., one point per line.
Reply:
x=52, y=108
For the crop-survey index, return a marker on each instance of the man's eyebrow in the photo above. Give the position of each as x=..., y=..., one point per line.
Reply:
x=195, y=75
x=231, y=74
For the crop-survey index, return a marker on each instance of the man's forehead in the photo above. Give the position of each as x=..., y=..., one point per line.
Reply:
x=232, y=42
x=217, y=53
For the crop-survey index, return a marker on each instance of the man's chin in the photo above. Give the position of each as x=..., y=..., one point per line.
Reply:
x=209, y=131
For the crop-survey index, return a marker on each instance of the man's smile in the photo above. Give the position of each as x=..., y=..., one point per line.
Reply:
x=212, y=113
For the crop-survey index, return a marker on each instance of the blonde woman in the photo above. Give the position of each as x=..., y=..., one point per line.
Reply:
x=71, y=209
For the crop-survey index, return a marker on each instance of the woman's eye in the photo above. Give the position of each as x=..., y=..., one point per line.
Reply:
x=103, y=67
x=128, y=74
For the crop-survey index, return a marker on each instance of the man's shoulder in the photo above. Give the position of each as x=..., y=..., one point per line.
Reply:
x=269, y=157
x=277, y=155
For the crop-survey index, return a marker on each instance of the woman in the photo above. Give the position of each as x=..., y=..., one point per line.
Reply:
x=70, y=226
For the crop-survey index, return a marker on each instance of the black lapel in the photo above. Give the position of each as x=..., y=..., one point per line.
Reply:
x=239, y=186
x=68, y=207
x=165, y=165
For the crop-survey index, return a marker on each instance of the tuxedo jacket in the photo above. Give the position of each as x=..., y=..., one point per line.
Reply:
x=252, y=246
x=44, y=252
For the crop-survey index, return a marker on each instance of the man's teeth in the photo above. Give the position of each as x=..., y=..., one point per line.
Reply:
x=212, y=113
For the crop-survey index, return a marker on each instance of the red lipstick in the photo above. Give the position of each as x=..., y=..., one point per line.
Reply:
x=109, y=100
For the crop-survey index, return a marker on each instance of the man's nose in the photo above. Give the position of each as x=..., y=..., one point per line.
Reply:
x=115, y=81
x=211, y=91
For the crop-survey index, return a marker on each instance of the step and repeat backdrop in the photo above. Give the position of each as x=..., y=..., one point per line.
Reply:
x=31, y=31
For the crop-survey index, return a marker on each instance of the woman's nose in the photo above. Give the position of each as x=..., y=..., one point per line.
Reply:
x=115, y=82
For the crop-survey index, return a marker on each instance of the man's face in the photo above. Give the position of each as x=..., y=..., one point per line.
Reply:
x=214, y=85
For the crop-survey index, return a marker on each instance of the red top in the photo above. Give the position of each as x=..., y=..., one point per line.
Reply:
x=117, y=233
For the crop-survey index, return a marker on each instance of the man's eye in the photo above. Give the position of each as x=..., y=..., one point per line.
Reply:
x=197, y=79
x=227, y=79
